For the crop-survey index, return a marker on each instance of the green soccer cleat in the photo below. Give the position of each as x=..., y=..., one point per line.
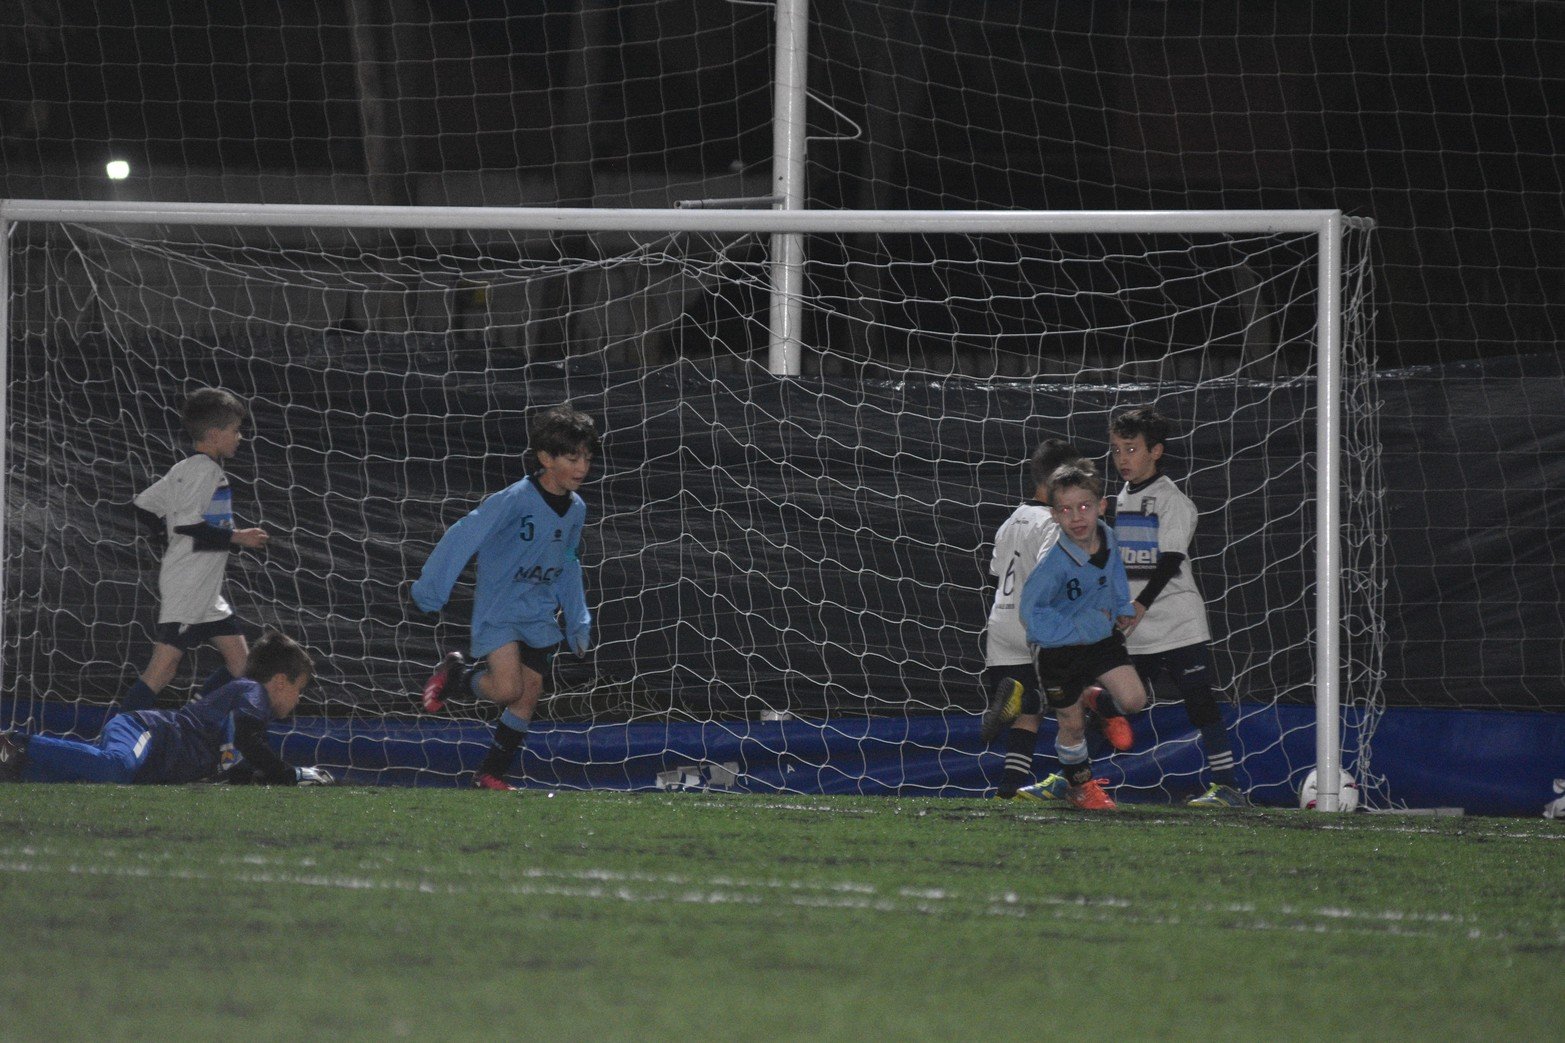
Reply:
x=1051, y=790
x=1218, y=795
x=1004, y=707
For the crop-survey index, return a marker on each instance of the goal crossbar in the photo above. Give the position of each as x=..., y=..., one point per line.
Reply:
x=600, y=219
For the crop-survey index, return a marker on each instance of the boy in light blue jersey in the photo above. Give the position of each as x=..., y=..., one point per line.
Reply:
x=1073, y=606
x=529, y=582
x=219, y=735
x=1016, y=706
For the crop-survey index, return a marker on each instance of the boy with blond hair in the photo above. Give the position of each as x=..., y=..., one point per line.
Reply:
x=1015, y=706
x=1073, y=605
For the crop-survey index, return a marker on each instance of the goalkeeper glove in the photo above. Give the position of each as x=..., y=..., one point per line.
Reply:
x=314, y=777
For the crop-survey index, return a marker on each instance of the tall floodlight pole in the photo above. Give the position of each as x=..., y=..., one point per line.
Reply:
x=788, y=126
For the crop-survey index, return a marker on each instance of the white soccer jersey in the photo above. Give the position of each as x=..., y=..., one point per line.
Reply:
x=1151, y=521
x=1025, y=537
x=190, y=582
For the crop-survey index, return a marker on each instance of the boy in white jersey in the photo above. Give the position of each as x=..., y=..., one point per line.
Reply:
x=1020, y=541
x=195, y=504
x=529, y=582
x=1155, y=523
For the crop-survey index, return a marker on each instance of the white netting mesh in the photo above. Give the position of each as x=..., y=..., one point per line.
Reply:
x=811, y=549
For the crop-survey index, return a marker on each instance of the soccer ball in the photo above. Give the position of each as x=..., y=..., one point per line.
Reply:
x=1347, y=793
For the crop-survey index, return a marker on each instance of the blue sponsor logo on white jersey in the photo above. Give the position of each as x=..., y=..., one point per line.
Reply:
x=1137, y=540
x=220, y=511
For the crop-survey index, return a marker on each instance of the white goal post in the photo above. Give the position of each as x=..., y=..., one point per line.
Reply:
x=1326, y=226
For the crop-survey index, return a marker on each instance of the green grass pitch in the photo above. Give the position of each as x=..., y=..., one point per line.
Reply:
x=215, y=912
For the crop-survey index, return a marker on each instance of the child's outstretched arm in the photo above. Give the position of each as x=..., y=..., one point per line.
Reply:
x=207, y=536
x=451, y=555
x=265, y=765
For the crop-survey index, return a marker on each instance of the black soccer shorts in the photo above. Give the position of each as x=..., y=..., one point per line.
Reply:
x=1065, y=672
x=185, y=636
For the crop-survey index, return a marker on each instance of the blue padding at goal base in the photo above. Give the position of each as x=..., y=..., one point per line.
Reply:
x=1490, y=763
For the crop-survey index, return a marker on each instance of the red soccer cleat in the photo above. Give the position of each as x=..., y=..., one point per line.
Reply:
x=1089, y=796
x=483, y=780
x=1116, y=729
x=434, y=697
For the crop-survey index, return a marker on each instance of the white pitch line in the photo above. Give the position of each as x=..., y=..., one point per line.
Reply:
x=611, y=885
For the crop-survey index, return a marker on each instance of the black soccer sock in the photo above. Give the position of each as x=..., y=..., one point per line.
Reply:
x=215, y=680
x=1202, y=709
x=1219, y=753
x=1077, y=774
x=508, y=738
x=1019, y=746
x=1075, y=765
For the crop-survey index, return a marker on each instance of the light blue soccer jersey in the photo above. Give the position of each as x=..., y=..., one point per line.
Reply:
x=527, y=568
x=1070, y=601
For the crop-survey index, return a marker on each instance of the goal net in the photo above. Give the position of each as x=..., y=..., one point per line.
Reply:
x=789, y=574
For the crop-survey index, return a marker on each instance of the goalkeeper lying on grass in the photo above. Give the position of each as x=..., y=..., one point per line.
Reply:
x=221, y=734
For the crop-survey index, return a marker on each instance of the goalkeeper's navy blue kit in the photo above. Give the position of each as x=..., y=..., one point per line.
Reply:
x=526, y=543
x=1072, y=599
x=219, y=731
